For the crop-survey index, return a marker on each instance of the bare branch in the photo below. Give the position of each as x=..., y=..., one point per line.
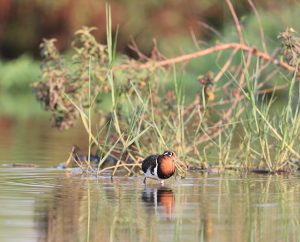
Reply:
x=211, y=50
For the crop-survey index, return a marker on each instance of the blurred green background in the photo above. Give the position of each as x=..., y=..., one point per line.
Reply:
x=178, y=26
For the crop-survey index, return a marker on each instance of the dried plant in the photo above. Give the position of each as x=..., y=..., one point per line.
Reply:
x=59, y=80
x=290, y=46
x=147, y=116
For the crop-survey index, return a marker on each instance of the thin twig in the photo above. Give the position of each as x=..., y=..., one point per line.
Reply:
x=226, y=65
x=261, y=31
x=246, y=68
x=213, y=30
x=236, y=21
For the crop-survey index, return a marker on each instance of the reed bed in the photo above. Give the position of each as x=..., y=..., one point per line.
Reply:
x=232, y=122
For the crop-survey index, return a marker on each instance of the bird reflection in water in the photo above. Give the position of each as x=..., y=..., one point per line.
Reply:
x=160, y=198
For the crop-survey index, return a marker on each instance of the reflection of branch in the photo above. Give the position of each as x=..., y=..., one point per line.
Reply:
x=211, y=50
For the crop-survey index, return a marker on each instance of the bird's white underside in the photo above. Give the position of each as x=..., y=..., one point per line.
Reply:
x=148, y=173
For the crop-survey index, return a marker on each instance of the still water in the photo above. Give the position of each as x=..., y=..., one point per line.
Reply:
x=47, y=204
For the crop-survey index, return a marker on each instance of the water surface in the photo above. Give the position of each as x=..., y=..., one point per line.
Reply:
x=51, y=205
x=47, y=204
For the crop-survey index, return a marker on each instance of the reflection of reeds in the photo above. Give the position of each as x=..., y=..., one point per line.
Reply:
x=206, y=207
x=63, y=212
x=144, y=118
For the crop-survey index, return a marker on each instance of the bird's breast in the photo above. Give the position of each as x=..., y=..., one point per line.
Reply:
x=166, y=168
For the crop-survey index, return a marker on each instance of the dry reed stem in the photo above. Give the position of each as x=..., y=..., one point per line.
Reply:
x=118, y=166
x=236, y=21
x=226, y=65
x=242, y=77
x=261, y=32
x=216, y=129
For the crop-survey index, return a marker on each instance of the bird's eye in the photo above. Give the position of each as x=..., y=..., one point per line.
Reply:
x=168, y=153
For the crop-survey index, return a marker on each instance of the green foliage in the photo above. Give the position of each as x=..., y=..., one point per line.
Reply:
x=16, y=98
x=146, y=117
x=20, y=105
x=61, y=79
x=19, y=74
x=270, y=139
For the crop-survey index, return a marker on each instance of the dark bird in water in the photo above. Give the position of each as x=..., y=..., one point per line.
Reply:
x=159, y=167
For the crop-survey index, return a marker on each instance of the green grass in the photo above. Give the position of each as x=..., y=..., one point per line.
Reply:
x=150, y=110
